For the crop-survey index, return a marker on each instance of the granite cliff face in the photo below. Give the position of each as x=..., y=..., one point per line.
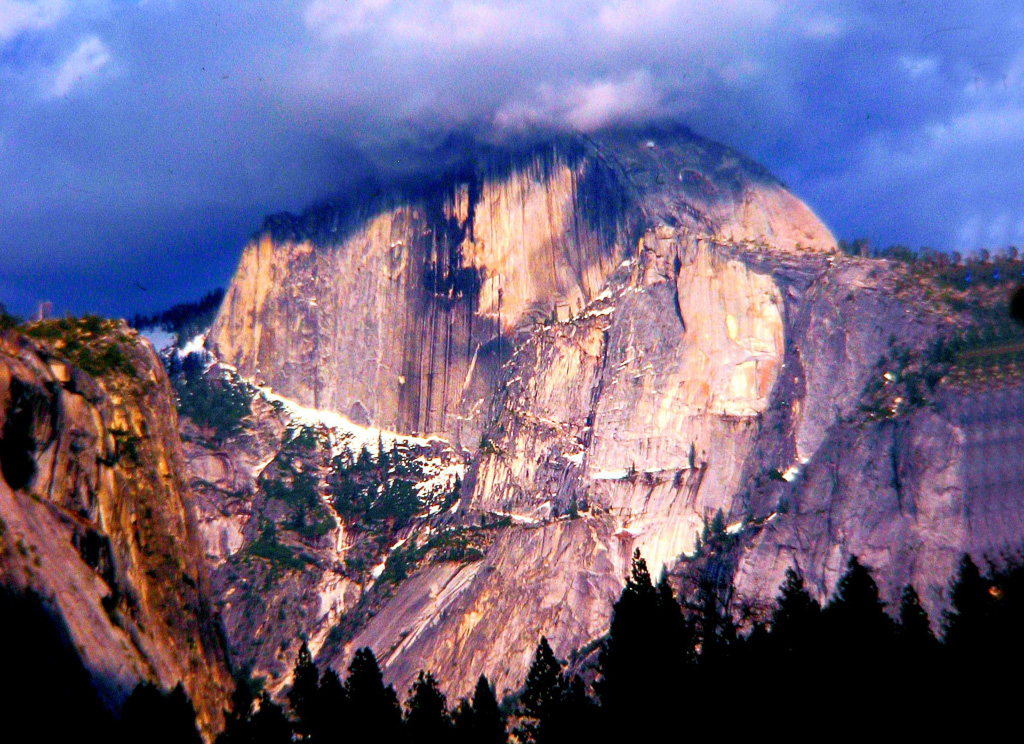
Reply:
x=95, y=516
x=627, y=335
x=398, y=312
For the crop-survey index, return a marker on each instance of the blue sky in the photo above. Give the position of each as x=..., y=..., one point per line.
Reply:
x=141, y=143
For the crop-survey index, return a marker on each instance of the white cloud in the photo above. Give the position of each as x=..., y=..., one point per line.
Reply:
x=585, y=106
x=983, y=125
x=823, y=26
x=18, y=16
x=332, y=18
x=916, y=67
x=90, y=57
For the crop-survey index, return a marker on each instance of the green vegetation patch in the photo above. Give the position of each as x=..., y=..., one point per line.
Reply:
x=210, y=400
x=93, y=344
x=373, y=491
x=268, y=547
x=310, y=518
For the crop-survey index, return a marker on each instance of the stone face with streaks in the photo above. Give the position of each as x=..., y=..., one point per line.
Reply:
x=97, y=517
x=693, y=344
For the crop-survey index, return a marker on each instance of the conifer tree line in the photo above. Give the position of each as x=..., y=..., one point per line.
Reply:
x=689, y=667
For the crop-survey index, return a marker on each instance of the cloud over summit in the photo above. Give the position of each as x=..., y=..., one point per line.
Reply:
x=189, y=121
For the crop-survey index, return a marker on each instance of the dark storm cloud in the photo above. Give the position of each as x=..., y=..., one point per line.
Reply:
x=141, y=142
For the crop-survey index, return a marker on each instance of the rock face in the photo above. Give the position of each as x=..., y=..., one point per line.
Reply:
x=399, y=312
x=293, y=554
x=96, y=517
x=678, y=337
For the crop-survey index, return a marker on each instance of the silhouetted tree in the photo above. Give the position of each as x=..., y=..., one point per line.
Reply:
x=797, y=616
x=914, y=628
x=650, y=647
x=426, y=712
x=856, y=613
x=621, y=662
x=238, y=725
x=970, y=603
x=377, y=716
x=331, y=705
x=303, y=697
x=576, y=718
x=541, y=699
x=488, y=722
x=463, y=723
x=860, y=635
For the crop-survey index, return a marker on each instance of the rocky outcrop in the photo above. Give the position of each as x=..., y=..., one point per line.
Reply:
x=95, y=515
x=909, y=495
x=419, y=294
x=703, y=349
x=286, y=565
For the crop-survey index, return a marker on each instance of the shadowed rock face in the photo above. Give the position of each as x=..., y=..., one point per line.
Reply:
x=96, y=518
x=908, y=495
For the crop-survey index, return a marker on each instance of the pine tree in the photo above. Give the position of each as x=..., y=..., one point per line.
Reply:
x=917, y=654
x=577, y=715
x=914, y=628
x=426, y=715
x=463, y=723
x=718, y=524
x=377, y=716
x=856, y=609
x=649, y=646
x=541, y=699
x=795, y=621
x=488, y=720
x=860, y=633
x=964, y=623
x=674, y=641
x=238, y=718
x=303, y=696
x=331, y=707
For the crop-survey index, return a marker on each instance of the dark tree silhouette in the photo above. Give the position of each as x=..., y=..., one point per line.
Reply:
x=856, y=614
x=303, y=697
x=269, y=723
x=488, y=722
x=238, y=725
x=426, y=712
x=971, y=602
x=795, y=621
x=463, y=723
x=914, y=628
x=621, y=662
x=377, y=716
x=332, y=707
x=541, y=700
x=649, y=652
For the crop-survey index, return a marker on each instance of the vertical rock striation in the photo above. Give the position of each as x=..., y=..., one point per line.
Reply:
x=678, y=337
x=96, y=516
